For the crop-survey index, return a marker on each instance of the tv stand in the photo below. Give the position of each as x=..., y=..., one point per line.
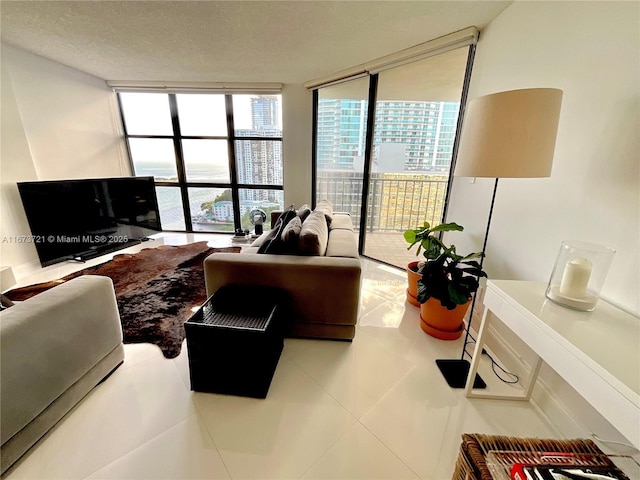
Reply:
x=102, y=250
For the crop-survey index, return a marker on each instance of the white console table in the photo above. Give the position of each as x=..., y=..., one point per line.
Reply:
x=597, y=353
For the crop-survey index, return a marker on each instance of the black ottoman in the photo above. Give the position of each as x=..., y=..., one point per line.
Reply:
x=234, y=341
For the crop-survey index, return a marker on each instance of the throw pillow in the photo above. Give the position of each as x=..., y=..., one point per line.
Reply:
x=303, y=212
x=314, y=235
x=325, y=207
x=273, y=243
x=291, y=231
x=285, y=213
x=266, y=240
x=260, y=240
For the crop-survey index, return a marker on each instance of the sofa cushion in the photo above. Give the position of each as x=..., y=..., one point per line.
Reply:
x=314, y=234
x=341, y=221
x=342, y=243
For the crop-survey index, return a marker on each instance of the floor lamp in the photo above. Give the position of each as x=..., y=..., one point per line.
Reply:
x=504, y=135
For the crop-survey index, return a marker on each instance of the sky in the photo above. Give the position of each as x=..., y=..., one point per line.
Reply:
x=200, y=114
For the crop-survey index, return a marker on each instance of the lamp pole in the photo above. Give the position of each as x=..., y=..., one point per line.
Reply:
x=456, y=372
x=484, y=249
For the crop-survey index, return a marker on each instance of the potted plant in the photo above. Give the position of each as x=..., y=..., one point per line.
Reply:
x=429, y=243
x=444, y=292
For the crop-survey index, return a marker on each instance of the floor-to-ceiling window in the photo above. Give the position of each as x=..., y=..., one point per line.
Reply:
x=400, y=166
x=416, y=117
x=214, y=157
x=341, y=127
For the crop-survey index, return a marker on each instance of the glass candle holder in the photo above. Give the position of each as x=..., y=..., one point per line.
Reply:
x=578, y=274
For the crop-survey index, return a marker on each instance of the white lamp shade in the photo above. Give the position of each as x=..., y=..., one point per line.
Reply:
x=510, y=134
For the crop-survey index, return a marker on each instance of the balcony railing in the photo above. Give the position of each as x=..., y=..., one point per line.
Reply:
x=397, y=201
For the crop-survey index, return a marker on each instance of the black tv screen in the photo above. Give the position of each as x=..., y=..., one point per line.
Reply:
x=82, y=219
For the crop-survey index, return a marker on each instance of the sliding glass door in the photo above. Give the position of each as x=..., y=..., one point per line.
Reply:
x=397, y=156
x=416, y=117
x=341, y=133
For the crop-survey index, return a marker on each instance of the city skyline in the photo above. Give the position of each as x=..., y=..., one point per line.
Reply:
x=260, y=161
x=409, y=136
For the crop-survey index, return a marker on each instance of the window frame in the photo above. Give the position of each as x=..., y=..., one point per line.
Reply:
x=232, y=140
x=373, y=106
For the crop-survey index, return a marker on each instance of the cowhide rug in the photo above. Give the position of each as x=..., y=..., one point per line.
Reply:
x=156, y=290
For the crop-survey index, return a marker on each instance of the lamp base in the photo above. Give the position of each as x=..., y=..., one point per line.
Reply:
x=455, y=372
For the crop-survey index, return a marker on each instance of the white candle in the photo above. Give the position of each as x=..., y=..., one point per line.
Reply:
x=576, y=278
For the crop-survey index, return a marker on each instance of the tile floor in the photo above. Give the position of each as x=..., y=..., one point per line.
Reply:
x=376, y=408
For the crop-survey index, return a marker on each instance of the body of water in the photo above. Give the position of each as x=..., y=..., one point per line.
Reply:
x=170, y=200
x=196, y=172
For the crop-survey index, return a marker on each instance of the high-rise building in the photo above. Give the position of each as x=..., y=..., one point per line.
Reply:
x=341, y=132
x=264, y=112
x=409, y=136
x=259, y=160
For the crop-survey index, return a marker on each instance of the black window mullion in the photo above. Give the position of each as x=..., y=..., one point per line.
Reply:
x=126, y=135
x=314, y=147
x=150, y=136
x=212, y=137
x=259, y=186
x=203, y=137
x=261, y=139
x=235, y=196
x=182, y=176
x=456, y=140
x=368, y=154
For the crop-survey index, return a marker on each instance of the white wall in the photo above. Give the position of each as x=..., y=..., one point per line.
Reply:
x=296, y=143
x=15, y=165
x=57, y=123
x=590, y=50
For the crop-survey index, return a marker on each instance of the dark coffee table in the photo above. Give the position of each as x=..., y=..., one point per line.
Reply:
x=234, y=341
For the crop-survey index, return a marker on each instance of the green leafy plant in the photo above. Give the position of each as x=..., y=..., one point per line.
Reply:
x=450, y=278
x=427, y=239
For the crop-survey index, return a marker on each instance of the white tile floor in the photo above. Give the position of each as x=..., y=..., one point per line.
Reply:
x=376, y=408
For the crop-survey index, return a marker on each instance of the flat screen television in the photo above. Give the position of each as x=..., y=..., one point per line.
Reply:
x=82, y=219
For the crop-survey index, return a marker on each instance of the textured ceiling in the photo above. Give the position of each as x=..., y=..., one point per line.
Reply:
x=229, y=41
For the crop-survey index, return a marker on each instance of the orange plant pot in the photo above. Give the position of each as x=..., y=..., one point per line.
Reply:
x=412, y=289
x=440, y=322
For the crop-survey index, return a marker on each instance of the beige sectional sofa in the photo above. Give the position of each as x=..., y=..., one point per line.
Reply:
x=323, y=291
x=54, y=348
